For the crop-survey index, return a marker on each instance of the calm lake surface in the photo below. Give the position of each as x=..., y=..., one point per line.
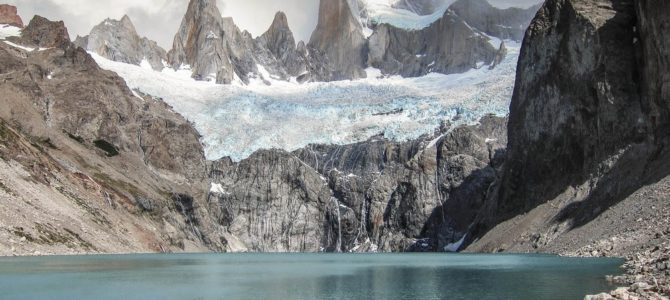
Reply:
x=304, y=276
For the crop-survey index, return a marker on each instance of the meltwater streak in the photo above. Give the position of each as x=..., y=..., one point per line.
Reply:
x=305, y=276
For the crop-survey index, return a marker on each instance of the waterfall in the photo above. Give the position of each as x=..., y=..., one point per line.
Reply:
x=339, y=226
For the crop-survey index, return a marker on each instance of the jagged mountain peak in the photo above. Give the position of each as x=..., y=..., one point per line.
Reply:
x=339, y=36
x=280, y=20
x=118, y=40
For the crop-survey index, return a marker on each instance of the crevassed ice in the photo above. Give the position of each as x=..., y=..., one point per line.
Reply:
x=237, y=120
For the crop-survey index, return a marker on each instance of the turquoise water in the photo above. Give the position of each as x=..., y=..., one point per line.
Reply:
x=304, y=276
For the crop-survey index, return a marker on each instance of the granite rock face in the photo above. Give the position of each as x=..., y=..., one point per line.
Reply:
x=457, y=42
x=200, y=43
x=9, y=15
x=119, y=41
x=285, y=56
x=376, y=195
x=447, y=46
x=588, y=133
x=576, y=102
x=510, y=23
x=339, y=38
x=215, y=48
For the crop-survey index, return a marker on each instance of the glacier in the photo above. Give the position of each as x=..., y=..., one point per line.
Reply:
x=382, y=12
x=237, y=120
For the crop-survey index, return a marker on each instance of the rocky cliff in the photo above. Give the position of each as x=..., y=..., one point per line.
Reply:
x=119, y=41
x=215, y=48
x=377, y=195
x=339, y=37
x=276, y=49
x=88, y=165
x=447, y=46
x=9, y=16
x=459, y=41
x=586, y=170
x=510, y=23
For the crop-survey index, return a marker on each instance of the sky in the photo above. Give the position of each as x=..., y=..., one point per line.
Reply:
x=160, y=19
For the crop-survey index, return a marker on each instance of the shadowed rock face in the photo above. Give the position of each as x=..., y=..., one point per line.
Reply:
x=43, y=33
x=510, y=23
x=339, y=37
x=588, y=127
x=8, y=15
x=447, y=46
x=576, y=100
x=119, y=41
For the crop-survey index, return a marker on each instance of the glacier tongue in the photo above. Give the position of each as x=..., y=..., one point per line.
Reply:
x=237, y=120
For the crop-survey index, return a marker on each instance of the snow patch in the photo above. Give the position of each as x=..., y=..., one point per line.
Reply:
x=9, y=30
x=374, y=73
x=145, y=64
x=29, y=49
x=137, y=95
x=454, y=247
x=211, y=35
x=217, y=188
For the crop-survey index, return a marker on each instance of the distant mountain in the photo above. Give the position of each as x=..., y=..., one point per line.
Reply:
x=409, y=38
x=510, y=23
x=119, y=41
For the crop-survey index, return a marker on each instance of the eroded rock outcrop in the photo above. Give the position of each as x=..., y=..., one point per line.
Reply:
x=119, y=41
x=9, y=15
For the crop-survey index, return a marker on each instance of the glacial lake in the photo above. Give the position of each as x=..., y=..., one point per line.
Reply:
x=304, y=276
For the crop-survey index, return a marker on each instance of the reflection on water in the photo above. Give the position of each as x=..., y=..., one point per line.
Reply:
x=304, y=276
